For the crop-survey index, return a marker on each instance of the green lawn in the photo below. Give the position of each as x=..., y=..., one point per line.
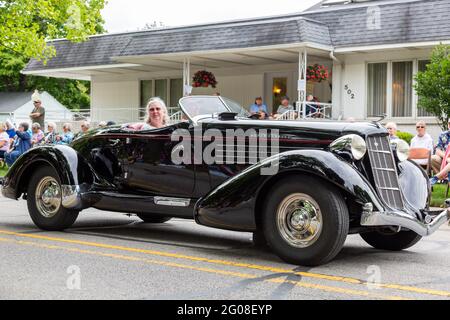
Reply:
x=2, y=172
x=439, y=195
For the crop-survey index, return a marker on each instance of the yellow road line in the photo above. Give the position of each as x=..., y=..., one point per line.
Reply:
x=233, y=264
x=345, y=291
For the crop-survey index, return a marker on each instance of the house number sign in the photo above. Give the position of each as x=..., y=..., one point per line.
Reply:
x=349, y=92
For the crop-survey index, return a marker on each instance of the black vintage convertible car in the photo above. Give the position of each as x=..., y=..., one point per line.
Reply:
x=300, y=186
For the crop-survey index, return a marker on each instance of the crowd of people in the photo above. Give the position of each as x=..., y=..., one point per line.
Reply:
x=439, y=153
x=259, y=110
x=16, y=141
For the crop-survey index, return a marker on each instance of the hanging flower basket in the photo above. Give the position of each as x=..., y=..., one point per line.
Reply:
x=317, y=73
x=204, y=79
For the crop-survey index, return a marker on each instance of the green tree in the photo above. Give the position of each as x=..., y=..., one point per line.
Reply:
x=25, y=25
x=433, y=85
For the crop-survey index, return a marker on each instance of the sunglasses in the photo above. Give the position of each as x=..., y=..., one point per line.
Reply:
x=154, y=109
x=420, y=127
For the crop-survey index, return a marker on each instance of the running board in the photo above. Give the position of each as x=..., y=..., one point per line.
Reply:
x=130, y=203
x=172, y=202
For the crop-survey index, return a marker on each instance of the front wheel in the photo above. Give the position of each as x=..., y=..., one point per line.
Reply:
x=305, y=220
x=387, y=240
x=44, y=200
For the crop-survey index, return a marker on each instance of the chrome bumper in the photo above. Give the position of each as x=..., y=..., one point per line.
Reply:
x=402, y=219
x=71, y=197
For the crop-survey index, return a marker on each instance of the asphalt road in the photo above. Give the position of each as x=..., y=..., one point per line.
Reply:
x=113, y=256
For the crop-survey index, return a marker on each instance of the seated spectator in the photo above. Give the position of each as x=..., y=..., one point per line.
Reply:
x=38, y=134
x=50, y=136
x=85, y=126
x=110, y=123
x=310, y=108
x=259, y=108
x=285, y=106
x=67, y=136
x=422, y=140
x=392, y=129
x=4, y=140
x=10, y=129
x=157, y=116
x=441, y=148
x=441, y=175
x=22, y=145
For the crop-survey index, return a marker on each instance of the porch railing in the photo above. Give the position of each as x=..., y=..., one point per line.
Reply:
x=315, y=110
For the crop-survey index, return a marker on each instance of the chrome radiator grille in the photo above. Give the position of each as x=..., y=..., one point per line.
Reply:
x=384, y=171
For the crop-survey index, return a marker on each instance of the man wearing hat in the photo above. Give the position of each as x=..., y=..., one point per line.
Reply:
x=38, y=113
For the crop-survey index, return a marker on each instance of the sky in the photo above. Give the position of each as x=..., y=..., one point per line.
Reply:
x=131, y=15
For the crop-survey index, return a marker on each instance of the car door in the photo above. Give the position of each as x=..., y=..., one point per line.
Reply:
x=148, y=167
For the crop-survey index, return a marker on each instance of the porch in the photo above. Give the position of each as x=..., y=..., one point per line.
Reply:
x=119, y=92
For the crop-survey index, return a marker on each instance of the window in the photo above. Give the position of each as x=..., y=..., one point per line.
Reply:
x=146, y=92
x=402, y=89
x=176, y=91
x=422, y=66
x=161, y=89
x=377, y=89
x=169, y=90
x=279, y=89
x=390, y=89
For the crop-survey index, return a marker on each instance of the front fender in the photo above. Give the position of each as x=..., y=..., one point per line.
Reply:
x=65, y=160
x=232, y=205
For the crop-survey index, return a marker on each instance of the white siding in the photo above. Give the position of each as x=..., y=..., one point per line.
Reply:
x=354, y=97
x=113, y=100
x=242, y=89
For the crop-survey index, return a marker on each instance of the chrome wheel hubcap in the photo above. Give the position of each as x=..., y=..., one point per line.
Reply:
x=48, y=197
x=299, y=220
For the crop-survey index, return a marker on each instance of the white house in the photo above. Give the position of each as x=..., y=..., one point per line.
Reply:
x=372, y=47
x=17, y=107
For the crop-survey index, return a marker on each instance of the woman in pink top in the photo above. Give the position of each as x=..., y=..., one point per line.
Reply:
x=38, y=135
x=4, y=140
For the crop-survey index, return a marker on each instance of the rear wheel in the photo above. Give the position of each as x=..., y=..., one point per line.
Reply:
x=154, y=219
x=44, y=201
x=387, y=240
x=305, y=221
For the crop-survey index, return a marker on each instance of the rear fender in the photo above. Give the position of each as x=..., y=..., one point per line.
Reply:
x=70, y=166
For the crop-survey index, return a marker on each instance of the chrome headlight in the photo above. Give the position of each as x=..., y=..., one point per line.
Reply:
x=351, y=143
x=402, y=149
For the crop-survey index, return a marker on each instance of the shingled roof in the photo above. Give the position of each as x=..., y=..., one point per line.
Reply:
x=345, y=26
x=11, y=101
x=229, y=37
x=401, y=22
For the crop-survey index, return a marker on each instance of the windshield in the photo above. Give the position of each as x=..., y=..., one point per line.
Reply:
x=196, y=107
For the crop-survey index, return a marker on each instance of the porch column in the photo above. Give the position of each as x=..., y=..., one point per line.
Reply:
x=186, y=77
x=301, y=85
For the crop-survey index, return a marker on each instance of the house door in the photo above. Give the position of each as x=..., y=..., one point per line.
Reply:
x=278, y=85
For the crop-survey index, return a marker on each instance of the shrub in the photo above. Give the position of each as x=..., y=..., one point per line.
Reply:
x=406, y=136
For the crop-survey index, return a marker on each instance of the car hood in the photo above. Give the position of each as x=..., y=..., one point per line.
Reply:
x=310, y=127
